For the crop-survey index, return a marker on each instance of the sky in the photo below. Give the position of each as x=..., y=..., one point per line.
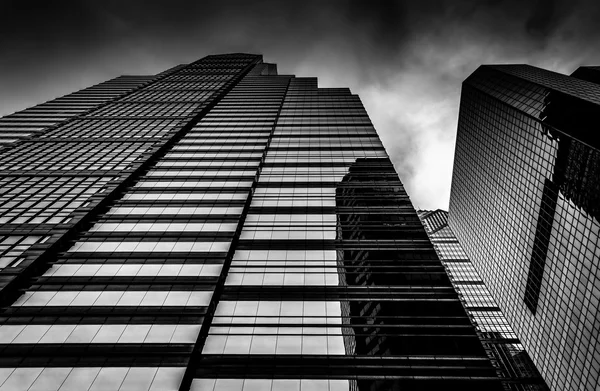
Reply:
x=405, y=59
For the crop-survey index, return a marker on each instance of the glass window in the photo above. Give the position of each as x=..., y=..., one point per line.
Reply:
x=120, y=298
x=109, y=333
x=21, y=378
x=31, y=333
x=160, y=333
x=109, y=379
x=58, y=333
x=185, y=334
x=9, y=332
x=238, y=344
x=148, y=246
x=263, y=344
x=138, y=378
x=80, y=378
x=50, y=379
x=167, y=378
x=270, y=385
x=83, y=333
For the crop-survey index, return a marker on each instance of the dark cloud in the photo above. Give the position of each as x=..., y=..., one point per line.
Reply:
x=406, y=59
x=545, y=18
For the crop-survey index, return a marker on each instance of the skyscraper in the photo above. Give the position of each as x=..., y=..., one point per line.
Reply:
x=220, y=227
x=525, y=205
x=512, y=362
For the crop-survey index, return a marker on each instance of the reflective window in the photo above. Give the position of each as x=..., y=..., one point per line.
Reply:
x=108, y=333
x=91, y=378
x=132, y=270
x=270, y=385
x=164, y=227
x=11, y=247
x=161, y=246
x=114, y=298
x=175, y=210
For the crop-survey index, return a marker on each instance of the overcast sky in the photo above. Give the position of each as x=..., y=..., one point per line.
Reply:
x=406, y=60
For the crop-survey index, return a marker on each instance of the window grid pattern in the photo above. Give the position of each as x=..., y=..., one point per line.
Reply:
x=91, y=378
x=36, y=120
x=272, y=241
x=315, y=249
x=582, y=89
x=127, y=300
x=528, y=137
x=500, y=341
x=12, y=246
x=39, y=200
x=67, y=156
x=145, y=110
x=115, y=128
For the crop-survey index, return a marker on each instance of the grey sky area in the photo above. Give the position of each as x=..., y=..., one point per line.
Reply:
x=406, y=60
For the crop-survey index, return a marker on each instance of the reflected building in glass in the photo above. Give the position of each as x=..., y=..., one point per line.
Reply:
x=513, y=364
x=525, y=205
x=219, y=227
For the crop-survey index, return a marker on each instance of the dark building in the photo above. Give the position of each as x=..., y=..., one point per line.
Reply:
x=525, y=205
x=512, y=362
x=219, y=227
x=591, y=74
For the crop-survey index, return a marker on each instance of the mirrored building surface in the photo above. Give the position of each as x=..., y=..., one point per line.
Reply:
x=513, y=364
x=525, y=207
x=220, y=227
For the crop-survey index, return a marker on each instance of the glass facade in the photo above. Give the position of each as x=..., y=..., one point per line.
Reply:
x=525, y=207
x=222, y=227
x=512, y=362
x=40, y=119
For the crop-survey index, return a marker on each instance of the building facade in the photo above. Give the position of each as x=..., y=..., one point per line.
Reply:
x=219, y=227
x=525, y=205
x=513, y=364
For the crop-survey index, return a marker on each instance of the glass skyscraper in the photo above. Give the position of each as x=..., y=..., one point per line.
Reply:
x=525, y=205
x=218, y=227
x=512, y=362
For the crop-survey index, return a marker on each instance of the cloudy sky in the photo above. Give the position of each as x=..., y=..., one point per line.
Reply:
x=405, y=59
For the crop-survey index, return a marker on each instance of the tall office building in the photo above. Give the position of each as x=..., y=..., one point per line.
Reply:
x=525, y=205
x=513, y=364
x=219, y=227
